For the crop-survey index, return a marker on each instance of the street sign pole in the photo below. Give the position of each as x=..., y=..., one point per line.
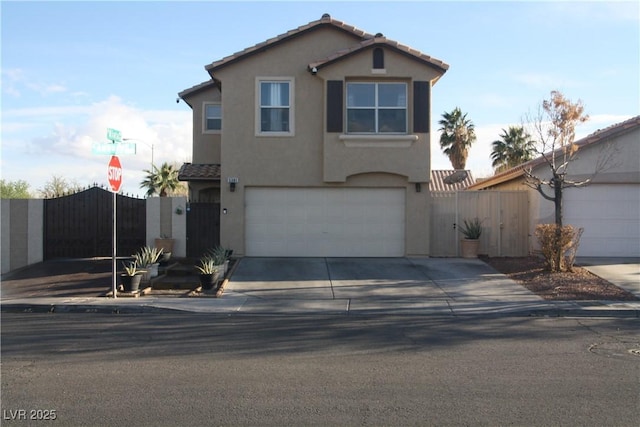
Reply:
x=114, y=175
x=113, y=252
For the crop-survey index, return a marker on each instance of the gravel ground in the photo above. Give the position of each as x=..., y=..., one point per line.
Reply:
x=579, y=284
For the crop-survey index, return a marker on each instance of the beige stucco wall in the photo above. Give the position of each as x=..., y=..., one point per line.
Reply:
x=206, y=145
x=408, y=155
x=163, y=220
x=623, y=167
x=22, y=233
x=311, y=157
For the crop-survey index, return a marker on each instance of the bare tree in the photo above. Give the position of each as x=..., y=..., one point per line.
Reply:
x=554, y=126
x=58, y=186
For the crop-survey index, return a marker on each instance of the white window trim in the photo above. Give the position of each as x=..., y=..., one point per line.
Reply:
x=204, y=118
x=356, y=140
x=292, y=121
x=377, y=107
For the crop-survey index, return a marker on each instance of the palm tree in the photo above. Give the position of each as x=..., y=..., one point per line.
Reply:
x=515, y=147
x=161, y=180
x=457, y=136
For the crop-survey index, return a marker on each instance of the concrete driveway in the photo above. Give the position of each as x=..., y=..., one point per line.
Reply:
x=373, y=279
x=622, y=272
x=391, y=285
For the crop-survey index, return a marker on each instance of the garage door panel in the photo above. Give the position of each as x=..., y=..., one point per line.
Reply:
x=325, y=222
x=610, y=216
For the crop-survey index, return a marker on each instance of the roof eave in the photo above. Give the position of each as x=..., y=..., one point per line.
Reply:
x=595, y=137
x=274, y=41
x=440, y=66
x=185, y=94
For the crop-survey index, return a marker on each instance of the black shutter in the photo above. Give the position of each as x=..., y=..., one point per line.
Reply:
x=334, y=105
x=421, y=112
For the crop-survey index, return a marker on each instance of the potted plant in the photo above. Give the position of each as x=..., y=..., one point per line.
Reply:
x=165, y=243
x=220, y=257
x=471, y=229
x=131, y=277
x=209, y=272
x=148, y=258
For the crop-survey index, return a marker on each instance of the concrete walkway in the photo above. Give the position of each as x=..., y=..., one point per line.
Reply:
x=622, y=272
x=347, y=286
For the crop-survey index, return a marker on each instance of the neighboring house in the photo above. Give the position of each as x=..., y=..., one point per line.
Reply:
x=609, y=208
x=450, y=180
x=317, y=143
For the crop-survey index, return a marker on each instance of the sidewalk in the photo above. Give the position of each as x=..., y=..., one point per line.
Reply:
x=237, y=304
x=454, y=287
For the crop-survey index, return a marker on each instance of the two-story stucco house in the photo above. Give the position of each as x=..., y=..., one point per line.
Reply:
x=316, y=143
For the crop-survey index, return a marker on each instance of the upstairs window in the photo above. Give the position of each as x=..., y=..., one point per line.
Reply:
x=377, y=108
x=275, y=113
x=378, y=58
x=212, y=117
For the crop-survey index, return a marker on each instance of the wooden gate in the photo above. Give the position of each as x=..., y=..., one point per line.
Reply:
x=504, y=216
x=203, y=227
x=80, y=225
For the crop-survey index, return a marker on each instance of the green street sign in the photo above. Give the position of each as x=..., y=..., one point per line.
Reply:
x=111, y=149
x=114, y=135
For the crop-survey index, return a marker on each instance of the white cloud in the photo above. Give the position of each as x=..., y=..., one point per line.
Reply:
x=63, y=147
x=15, y=81
x=597, y=11
x=543, y=80
x=52, y=88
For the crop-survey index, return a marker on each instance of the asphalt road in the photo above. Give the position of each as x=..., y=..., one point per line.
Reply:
x=186, y=369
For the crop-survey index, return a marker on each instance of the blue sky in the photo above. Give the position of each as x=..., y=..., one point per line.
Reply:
x=72, y=69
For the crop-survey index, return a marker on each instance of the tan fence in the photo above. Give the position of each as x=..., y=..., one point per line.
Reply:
x=504, y=216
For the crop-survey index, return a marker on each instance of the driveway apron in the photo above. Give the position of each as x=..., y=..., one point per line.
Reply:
x=374, y=279
x=278, y=278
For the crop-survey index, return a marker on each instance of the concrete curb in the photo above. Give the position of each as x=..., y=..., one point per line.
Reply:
x=297, y=308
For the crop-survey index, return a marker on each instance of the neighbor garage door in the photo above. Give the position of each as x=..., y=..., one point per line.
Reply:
x=345, y=222
x=609, y=215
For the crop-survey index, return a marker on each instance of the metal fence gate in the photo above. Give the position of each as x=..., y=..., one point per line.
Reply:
x=80, y=225
x=504, y=216
x=203, y=227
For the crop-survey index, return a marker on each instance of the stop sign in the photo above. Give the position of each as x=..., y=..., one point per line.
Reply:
x=114, y=174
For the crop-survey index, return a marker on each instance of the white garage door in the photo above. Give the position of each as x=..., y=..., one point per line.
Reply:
x=345, y=222
x=610, y=215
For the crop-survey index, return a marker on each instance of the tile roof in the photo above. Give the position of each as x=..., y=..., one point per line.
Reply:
x=197, y=88
x=199, y=172
x=366, y=40
x=450, y=180
x=377, y=41
x=595, y=137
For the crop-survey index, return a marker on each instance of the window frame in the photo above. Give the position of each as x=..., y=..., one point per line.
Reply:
x=205, y=118
x=259, y=107
x=376, y=107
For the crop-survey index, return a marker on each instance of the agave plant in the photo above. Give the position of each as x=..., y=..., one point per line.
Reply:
x=472, y=229
x=131, y=268
x=207, y=265
x=218, y=254
x=147, y=255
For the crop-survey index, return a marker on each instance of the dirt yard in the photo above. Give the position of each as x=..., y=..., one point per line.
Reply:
x=577, y=285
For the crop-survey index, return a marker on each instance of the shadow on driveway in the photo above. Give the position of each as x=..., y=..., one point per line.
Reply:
x=59, y=278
